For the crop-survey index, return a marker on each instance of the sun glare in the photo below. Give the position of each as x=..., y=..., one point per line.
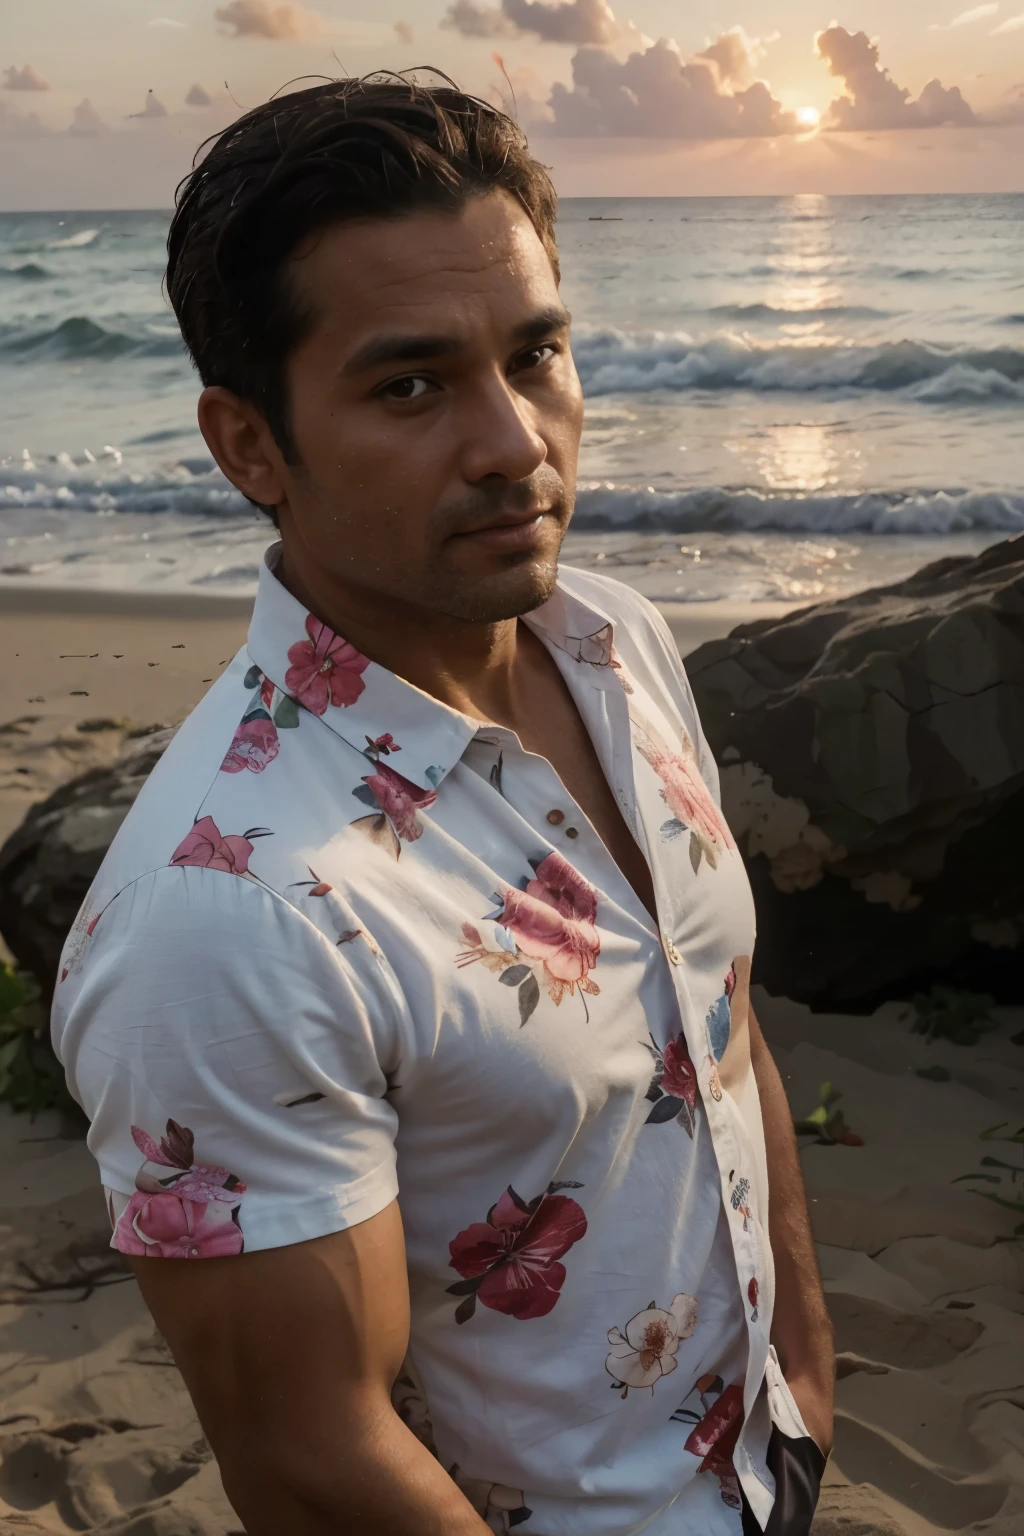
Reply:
x=808, y=117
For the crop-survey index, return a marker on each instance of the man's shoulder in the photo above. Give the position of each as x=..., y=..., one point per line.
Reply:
x=245, y=786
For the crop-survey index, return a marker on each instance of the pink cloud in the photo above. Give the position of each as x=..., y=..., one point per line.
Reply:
x=286, y=23
x=872, y=100
x=24, y=79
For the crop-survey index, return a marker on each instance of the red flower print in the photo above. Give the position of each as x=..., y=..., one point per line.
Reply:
x=714, y=1438
x=192, y=1214
x=266, y=693
x=510, y=1261
x=680, y=1075
x=753, y=1291
x=324, y=669
x=382, y=744
x=205, y=848
x=253, y=746
x=400, y=800
x=553, y=920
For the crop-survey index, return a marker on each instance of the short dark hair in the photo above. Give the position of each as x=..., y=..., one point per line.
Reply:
x=377, y=147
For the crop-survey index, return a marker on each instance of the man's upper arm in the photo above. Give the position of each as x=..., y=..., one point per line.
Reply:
x=290, y=1353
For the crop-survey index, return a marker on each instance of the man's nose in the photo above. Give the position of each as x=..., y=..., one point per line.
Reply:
x=501, y=436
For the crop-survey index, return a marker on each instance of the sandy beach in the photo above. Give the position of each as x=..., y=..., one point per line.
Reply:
x=925, y=1284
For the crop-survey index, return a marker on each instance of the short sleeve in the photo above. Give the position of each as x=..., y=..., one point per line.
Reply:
x=234, y=1065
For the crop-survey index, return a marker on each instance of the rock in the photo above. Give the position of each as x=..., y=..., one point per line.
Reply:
x=872, y=764
x=48, y=863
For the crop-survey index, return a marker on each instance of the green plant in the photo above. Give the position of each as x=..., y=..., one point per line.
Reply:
x=1015, y=1170
x=946, y=1013
x=826, y=1123
x=31, y=1078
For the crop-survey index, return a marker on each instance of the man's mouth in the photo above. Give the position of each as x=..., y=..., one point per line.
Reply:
x=517, y=530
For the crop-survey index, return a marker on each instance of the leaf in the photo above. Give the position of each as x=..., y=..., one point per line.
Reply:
x=672, y=828
x=495, y=774
x=466, y=1287
x=380, y=831
x=997, y=1162
x=557, y=1184
x=8, y=1052
x=934, y=1074
x=252, y=678
x=256, y=713
x=687, y=1119
x=514, y=974
x=365, y=794
x=286, y=715
x=13, y=990
x=666, y=1109
x=990, y=1133
x=989, y=1178
x=435, y=774
x=529, y=997
x=464, y=1311
x=696, y=849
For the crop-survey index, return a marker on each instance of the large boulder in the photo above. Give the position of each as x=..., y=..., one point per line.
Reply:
x=872, y=762
x=48, y=863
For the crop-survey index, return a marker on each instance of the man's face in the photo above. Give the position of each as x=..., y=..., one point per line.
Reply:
x=435, y=410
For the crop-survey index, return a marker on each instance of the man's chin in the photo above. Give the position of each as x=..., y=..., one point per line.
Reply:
x=507, y=593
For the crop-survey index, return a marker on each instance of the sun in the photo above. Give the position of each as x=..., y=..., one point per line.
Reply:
x=808, y=117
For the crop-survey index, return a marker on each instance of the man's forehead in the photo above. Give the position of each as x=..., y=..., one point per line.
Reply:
x=487, y=249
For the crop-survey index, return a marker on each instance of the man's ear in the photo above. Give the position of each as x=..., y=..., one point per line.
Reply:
x=239, y=438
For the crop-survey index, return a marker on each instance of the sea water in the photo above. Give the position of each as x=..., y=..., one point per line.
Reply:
x=787, y=398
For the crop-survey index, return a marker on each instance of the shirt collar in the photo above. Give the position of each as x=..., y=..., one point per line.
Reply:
x=375, y=710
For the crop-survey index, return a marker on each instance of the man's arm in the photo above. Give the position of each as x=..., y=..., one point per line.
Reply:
x=290, y=1355
x=801, y=1329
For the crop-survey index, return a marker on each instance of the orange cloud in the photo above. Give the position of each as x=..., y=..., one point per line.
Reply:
x=24, y=79
x=566, y=21
x=288, y=23
x=872, y=99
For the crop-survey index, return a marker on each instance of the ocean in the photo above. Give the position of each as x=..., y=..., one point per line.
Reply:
x=787, y=398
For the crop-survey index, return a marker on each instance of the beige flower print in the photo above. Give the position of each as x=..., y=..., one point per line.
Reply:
x=500, y=1508
x=646, y=1352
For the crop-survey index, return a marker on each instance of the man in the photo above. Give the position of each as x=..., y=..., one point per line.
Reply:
x=412, y=997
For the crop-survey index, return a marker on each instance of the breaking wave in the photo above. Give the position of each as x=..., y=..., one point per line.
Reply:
x=80, y=337
x=612, y=362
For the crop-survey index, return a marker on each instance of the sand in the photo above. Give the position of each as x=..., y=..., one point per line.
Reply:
x=925, y=1285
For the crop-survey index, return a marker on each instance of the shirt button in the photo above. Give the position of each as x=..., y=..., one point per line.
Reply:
x=556, y=818
x=673, y=953
x=571, y=832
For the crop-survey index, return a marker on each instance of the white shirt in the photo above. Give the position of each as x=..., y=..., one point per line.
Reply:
x=349, y=945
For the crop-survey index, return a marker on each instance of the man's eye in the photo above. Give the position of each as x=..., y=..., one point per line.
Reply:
x=534, y=357
x=412, y=387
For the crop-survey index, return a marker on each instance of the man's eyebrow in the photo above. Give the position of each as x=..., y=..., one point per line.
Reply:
x=383, y=351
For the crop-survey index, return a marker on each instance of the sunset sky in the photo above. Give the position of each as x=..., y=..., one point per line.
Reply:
x=103, y=103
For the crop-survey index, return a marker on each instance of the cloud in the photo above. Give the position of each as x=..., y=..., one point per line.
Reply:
x=404, y=33
x=197, y=97
x=86, y=122
x=24, y=79
x=166, y=21
x=965, y=18
x=289, y=23
x=1011, y=24
x=659, y=94
x=21, y=125
x=571, y=21
x=872, y=99
x=154, y=107
x=736, y=56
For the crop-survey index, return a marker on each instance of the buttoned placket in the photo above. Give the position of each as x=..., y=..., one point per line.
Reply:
x=617, y=733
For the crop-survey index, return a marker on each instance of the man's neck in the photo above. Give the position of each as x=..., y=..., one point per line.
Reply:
x=470, y=667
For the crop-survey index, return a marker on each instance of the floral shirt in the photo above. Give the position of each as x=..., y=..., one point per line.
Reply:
x=349, y=945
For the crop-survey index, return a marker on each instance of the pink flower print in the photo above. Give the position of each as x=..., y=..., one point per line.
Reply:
x=380, y=746
x=266, y=693
x=687, y=797
x=714, y=1438
x=205, y=848
x=324, y=669
x=400, y=800
x=190, y=1214
x=510, y=1262
x=680, y=1076
x=253, y=746
x=552, y=920
x=78, y=943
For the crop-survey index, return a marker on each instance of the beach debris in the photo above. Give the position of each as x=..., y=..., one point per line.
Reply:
x=1007, y=1192
x=946, y=1013
x=78, y=693
x=104, y=723
x=826, y=1123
